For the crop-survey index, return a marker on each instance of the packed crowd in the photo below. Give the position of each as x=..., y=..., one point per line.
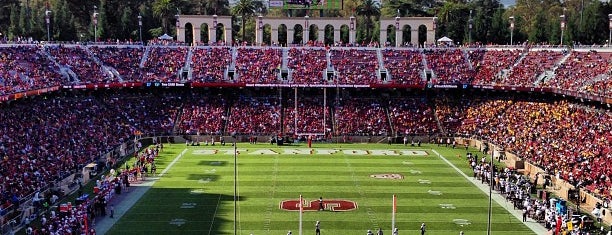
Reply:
x=27, y=67
x=210, y=63
x=46, y=139
x=145, y=114
x=81, y=63
x=258, y=65
x=569, y=141
x=163, y=64
x=203, y=116
x=526, y=72
x=488, y=64
x=126, y=60
x=251, y=115
x=404, y=66
x=355, y=66
x=23, y=68
x=307, y=65
x=585, y=71
x=411, y=116
x=309, y=116
x=361, y=117
x=449, y=66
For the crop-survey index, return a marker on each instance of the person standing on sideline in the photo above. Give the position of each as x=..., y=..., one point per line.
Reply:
x=380, y=232
x=524, y=215
x=423, y=229
x=395, y=232
x=318, y=228
x=320, y=203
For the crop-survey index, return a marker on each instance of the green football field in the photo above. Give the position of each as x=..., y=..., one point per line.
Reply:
x=195, y=195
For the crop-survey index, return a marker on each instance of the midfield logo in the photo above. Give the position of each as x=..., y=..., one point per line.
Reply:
x=313, y=205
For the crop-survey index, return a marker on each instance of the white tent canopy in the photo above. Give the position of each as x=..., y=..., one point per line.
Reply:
x=445, y=39
x=165, y=37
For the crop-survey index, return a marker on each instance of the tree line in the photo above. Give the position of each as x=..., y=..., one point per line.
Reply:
x=482, y=21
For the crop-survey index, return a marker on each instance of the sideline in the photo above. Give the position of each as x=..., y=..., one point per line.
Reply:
x=127, y=199
x=536, y=227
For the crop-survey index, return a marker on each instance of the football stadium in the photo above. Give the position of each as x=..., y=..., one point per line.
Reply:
x=305, y=117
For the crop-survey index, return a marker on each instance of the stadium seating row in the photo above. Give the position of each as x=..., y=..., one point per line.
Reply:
x=29, y=67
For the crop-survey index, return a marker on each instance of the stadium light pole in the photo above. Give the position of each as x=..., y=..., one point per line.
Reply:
x=48, y=21
x=562, y=25
x=511, y=30
x=470, y=22
x=95, y=18
x=140, y=27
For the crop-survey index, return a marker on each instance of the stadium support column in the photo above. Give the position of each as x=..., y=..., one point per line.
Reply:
x=398, y=38
x=291, y=34
x=431, y=36
x=212, y=34
x=306, y=30
x=397, y=33
x=610, y=30
x=259, y=31
x=228, y=34
x=196, y=36
x=352, y=33
x=383, y=36
x=274, y=36
x=321, y=34
x=336, y=35
x=414, y=36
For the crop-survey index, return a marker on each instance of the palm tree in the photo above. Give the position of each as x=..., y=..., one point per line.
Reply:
x=164, y=9
x=368, y=8
x=217, y=7
x=244, y=8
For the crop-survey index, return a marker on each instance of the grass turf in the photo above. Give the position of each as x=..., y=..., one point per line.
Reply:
x=195, y=196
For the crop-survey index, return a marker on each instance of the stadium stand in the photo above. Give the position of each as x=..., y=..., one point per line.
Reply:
x=569, y=139
x=163, y=64
x=307, y=65
x=81, y=63
x=24, y=68
x=361, y=117
x=488, y=64
x=449, y=65
x=126, y=60
x=258, y=65
x=309, y=119
x=405, y=66
x=355, y=66
x=254, y=115
x=531, y=66
x=412, y=116
x=209, y=64
x=203, y=116
x=585, y=71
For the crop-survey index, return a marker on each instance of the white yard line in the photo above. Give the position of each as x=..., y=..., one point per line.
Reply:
x=536, y=227
x=173, y=162
x=215, y=215
x=105, y=224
